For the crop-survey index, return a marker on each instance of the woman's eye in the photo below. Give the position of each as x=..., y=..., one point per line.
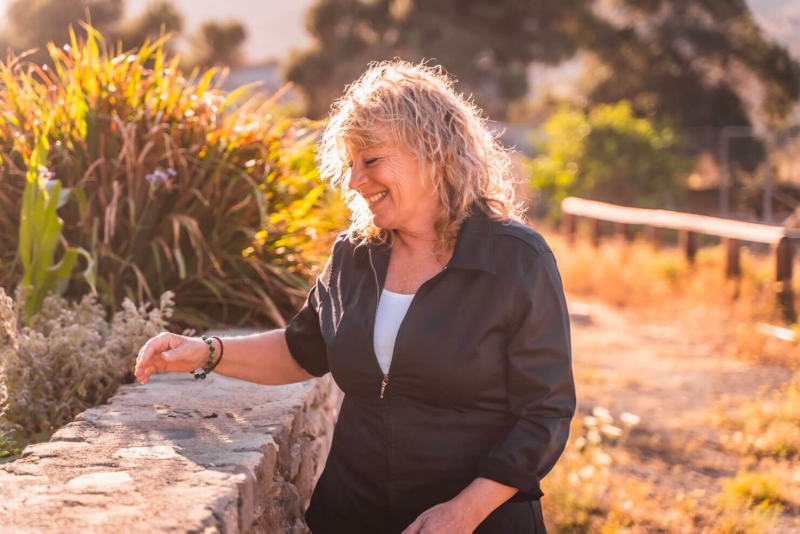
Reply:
x=371, y=161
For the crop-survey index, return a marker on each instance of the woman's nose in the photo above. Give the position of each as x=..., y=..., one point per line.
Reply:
x=357, y=177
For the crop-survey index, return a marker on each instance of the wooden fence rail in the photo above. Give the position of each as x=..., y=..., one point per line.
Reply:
x=689, y=225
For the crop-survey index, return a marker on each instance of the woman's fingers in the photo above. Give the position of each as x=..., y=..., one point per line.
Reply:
x=151, y=358
x=144, y=377
x=168, y=352
x=150, y=347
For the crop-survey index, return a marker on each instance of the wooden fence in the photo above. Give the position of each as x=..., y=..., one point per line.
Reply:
x=689, y=225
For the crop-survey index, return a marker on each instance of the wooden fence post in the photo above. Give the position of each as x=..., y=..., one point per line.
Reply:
x=595, y=225
x=732, y=264
x=625, y=230
x=654, y=236
x=688, y=243
x=570, y=227
x=784, y=255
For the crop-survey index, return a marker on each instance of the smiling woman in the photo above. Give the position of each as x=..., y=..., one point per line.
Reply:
x=439, y=314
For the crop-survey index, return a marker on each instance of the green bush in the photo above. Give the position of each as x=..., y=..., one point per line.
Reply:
x=187, y=188
x=608, y=154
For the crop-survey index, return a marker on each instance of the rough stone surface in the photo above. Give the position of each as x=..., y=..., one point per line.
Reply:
x=178, y=455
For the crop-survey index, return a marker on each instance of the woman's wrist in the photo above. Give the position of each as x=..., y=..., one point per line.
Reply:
x=215, y=348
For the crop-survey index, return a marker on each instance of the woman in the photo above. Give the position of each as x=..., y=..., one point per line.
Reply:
x=439, y=314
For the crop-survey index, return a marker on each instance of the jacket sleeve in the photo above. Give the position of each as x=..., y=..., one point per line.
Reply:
x=304, y=333
x=540, y=384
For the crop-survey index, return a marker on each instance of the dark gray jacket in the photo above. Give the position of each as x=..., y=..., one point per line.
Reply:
x=480, y=383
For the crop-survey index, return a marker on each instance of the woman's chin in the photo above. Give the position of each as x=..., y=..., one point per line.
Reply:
x=382, y=221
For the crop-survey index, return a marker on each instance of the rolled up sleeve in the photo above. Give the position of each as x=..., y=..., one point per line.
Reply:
x=304, y=333
x=540, y=384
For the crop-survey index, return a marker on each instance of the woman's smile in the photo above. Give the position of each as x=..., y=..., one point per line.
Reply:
x=375, y=199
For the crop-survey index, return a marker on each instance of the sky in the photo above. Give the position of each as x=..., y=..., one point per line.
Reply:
x=275, y=26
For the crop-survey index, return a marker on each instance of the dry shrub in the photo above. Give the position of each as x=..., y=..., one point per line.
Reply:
x=660, y=284
x=69, y=359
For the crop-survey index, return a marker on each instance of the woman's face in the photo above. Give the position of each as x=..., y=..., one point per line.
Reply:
x=394, y=185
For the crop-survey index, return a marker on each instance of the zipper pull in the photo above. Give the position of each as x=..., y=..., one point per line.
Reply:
x=383, y=384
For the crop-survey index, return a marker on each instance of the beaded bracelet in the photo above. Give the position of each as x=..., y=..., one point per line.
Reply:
x=221, y=352
x=211, y=363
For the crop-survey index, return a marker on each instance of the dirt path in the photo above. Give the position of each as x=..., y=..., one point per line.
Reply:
x=674, y=382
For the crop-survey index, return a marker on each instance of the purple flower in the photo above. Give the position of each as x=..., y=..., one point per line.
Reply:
x=157, y=176
x=45, y=173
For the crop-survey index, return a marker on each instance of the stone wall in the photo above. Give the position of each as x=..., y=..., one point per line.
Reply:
x=178, y=455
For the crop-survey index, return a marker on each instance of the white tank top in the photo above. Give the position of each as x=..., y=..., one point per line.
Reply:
x=392, y=307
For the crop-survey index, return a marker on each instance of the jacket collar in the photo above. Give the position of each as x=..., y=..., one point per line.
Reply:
x=473, y=250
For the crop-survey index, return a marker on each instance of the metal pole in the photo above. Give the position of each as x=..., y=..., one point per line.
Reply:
x=724, y=182
x=729, y=132
x=768, y=179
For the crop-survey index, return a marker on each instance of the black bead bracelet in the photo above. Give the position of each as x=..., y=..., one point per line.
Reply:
x=212, y=363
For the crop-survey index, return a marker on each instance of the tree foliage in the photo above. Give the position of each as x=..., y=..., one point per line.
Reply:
x=33, y=24
x=159, y=17
x=608, y=154
x=219, y=43
x=664, y=56
x=487, y=45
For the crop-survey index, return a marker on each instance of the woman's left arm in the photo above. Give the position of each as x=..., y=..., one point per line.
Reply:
x=541, y=386
x=541, y=390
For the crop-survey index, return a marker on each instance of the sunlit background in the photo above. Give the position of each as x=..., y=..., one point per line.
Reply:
x=183, y=187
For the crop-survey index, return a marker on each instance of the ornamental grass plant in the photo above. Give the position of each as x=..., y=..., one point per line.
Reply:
x=187, y=188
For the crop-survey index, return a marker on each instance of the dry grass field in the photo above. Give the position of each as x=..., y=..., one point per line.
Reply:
x=689, y=418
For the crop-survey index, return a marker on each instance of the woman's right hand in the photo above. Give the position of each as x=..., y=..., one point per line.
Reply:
x=170, y=352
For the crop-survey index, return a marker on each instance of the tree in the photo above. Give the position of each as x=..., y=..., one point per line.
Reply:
x=609, y=154
x=159, y=16
x=32, y=24
x=687, y=59
x=665, y=56
x=486, y=45
x=219, y=43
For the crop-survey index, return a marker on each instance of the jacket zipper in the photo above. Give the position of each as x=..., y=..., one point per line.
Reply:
x=372, y=329
x=385, y=380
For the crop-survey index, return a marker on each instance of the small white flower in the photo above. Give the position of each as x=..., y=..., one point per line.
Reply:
x=630, y=418
x=602, y=414
x=573, y=479
x=594, y=437
x=611, y=430
x=601, y=458
x=589, y=421
x=587, y=472
x=580, y=443
x=627, y=505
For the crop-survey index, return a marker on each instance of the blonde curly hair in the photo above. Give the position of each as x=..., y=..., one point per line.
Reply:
x=471, y=169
